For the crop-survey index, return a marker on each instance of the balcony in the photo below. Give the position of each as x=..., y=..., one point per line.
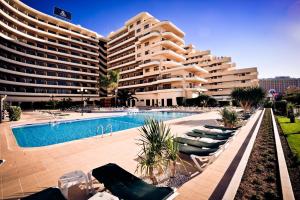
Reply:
x=148, y=64
x=169, y=54
x=171, y=45
x=121, y=51
x=126, y=55
x=42, y=40
x=117, y=38
x=172, y=36
x=122, y=43
x=14, y=10
x=122, y=65
x=195, y=79
x=166, y=79
x=148, y=36
x=169, y=27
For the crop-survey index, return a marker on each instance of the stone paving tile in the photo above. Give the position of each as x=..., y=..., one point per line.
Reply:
x=46, y=164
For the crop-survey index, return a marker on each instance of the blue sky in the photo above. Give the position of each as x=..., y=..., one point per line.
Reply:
x=255, y=33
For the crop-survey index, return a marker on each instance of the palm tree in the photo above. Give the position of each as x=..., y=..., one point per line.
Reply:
x=110, y=82
x=125, y=96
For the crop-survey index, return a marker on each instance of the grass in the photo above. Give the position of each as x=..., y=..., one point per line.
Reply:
x=292, y=132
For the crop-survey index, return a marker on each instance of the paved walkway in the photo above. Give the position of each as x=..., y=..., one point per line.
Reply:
x=29, y=170
x=205, y=184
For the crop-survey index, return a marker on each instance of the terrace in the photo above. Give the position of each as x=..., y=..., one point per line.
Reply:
x=28, y=170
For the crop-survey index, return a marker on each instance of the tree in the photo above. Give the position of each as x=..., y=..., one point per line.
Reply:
x=248, y=97
x=203, y=99
x=110, y=82
x=125, y=96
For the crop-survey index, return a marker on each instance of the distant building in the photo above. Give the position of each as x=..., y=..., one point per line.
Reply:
x=279, y=83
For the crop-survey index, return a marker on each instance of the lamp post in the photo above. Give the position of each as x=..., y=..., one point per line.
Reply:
x=2, y=97
x=82, y=91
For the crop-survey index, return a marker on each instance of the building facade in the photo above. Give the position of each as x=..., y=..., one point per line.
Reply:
x=149, y=54
x=279, y=84
x=43, y=57
x=222, y=74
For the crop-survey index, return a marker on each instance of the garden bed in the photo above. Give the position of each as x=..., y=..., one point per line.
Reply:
x=261, y=177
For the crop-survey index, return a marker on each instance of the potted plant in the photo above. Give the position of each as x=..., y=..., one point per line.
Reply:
x=154, y=135
x=229, y=117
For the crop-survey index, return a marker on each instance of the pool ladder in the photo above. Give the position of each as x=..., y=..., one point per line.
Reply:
x=103, y=130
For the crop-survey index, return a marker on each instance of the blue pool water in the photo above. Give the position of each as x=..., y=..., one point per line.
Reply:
x=55, y=133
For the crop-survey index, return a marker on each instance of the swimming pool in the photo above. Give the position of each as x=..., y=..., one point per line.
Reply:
x=55, y=133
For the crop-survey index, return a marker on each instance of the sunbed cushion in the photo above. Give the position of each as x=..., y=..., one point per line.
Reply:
x=221, y=127
x=125, y=186
x=215, y=137
x=211, y=132
x=191, y=150
x=199, y=144
x=46, y=194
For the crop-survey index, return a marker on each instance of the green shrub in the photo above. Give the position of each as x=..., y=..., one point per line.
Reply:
x=280, y=107
x=268, y=104
x=14, y=113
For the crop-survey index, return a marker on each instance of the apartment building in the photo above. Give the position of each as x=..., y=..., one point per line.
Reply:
x=149, y=54
x=279, y=84
x=43, y=57
x=223, y=75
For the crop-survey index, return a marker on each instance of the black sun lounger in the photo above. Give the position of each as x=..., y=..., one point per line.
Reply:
x=227, y=133
x=199, y=144
x=124, y=185
x=46, y=194
x=221, y=127
x=215, y=136
x=191, y=150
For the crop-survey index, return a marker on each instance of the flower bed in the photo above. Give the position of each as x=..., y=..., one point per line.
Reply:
x=261, y=177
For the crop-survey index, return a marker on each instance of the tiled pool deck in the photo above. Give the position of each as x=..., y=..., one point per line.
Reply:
x=30, y=170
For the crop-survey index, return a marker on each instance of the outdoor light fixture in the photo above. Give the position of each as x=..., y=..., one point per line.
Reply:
x=82, y=91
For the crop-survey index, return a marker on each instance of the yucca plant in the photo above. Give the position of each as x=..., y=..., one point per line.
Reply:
x=154, y=136
x=229, y=117
x=172, y=155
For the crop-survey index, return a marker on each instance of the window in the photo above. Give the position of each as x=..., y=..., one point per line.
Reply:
x=138, y=22
x=138, y=30
x=138, y=46
x=146, y=44
x=131, y=26
x=147, y=70
x=146, y=26
x=146, y=52
x=155, y=68
x=138, y=55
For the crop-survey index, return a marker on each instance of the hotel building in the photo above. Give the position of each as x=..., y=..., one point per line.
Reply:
x=279, y=84
x=149, y=55
x=43, y=57
x=222, y=76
